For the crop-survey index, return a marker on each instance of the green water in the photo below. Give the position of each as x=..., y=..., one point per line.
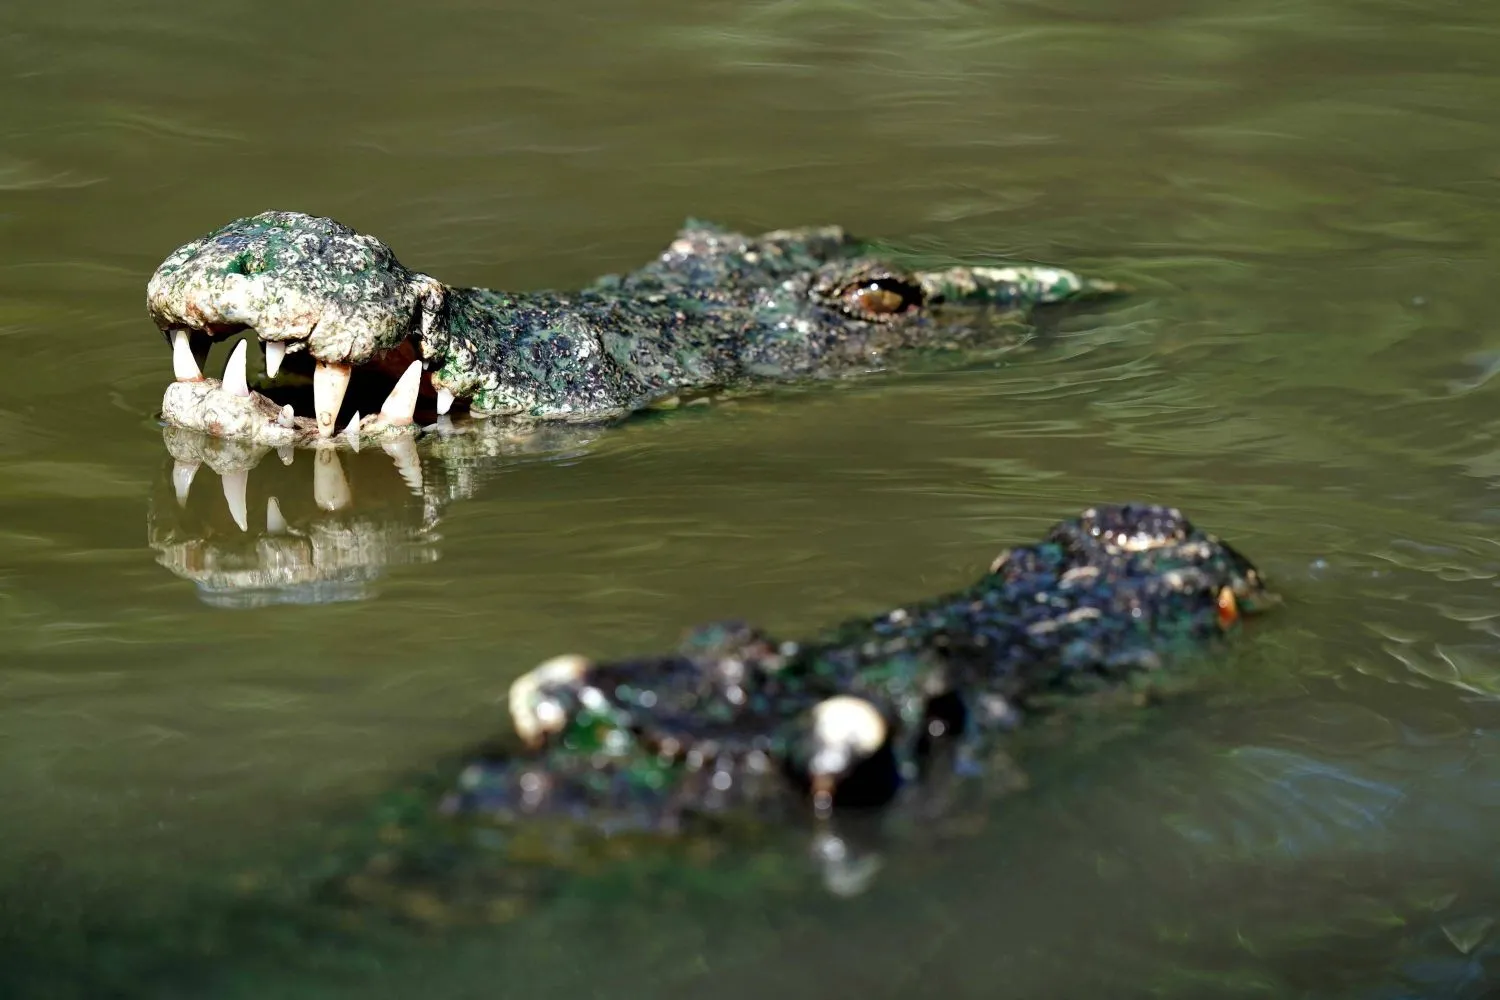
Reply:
x=1306, y=196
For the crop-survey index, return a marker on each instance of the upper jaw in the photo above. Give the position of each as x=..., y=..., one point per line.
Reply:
x=333, y=329
x=296, y=279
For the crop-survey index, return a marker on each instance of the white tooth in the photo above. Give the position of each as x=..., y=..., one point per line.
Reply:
x=286, y=453
x=330, y=488
x=330, y=382
x=351, y=432
x=444, y=402
x=275, y=523
x=184, y=368
x=402, y=402
x=234, y=372
x=235, y=485
x=288, y=417
x=403, y=452
x=275, y=352
x=182, y=479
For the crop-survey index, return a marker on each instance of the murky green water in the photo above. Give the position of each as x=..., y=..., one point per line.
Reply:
x=1307, y=196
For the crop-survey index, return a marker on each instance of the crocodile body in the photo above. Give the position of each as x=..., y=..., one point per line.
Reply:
x=724, y=734
x=715, y=310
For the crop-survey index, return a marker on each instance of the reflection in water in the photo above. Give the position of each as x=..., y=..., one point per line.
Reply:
x=1294, y=815
x=1306, y=196
x=333, y=521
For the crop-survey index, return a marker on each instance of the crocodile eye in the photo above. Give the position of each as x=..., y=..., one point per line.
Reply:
x=874, y=299
x=880, y=298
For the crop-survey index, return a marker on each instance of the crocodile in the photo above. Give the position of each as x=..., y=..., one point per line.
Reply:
x=737, y=765
x=737, y=729
x=360, y=348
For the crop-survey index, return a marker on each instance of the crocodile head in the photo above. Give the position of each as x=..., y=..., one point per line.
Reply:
x=1144, y=543
x=1163, y=541
x=348, y=320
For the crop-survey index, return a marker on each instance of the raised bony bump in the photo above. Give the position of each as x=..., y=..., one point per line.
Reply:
x=846, y=730
x=531, y=720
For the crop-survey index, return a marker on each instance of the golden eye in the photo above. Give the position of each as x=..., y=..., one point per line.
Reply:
x=877, y=300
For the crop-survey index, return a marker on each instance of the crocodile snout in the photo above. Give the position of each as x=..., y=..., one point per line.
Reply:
x=301, y=284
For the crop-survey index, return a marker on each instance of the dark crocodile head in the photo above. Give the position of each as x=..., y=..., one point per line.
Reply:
x=335, y=305
x=1160, y=542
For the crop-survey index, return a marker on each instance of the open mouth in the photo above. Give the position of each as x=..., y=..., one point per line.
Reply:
x=344, y=331
x=295, y=398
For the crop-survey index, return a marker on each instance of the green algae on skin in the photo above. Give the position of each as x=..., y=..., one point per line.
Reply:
x=726, y=729
x=696, y=769
x=715, y=310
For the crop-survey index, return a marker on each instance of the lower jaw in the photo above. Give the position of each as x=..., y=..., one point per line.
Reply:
x=258, y=421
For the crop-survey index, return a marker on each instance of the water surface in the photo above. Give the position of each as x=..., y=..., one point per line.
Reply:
x=1304, y=195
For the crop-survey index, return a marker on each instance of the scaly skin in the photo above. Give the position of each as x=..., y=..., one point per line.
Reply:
x=714, y=310
x=1104, y=597
x=720, y=737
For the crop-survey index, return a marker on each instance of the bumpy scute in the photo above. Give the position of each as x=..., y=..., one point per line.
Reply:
x=1102, y=598
x=296, y=278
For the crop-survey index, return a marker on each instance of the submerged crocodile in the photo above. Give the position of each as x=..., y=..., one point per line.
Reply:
x=738, y=729
x=716, y=310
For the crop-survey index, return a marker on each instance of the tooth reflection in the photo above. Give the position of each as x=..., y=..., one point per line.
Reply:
x=182, y=479
x=275, y=522
x=330, y=488
x=286, y=453
x=332, y=552
x=234, y=373
x=403, y=452
x=275, y=353
x=330, y=382
x=184, y=368
x=235, y=486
